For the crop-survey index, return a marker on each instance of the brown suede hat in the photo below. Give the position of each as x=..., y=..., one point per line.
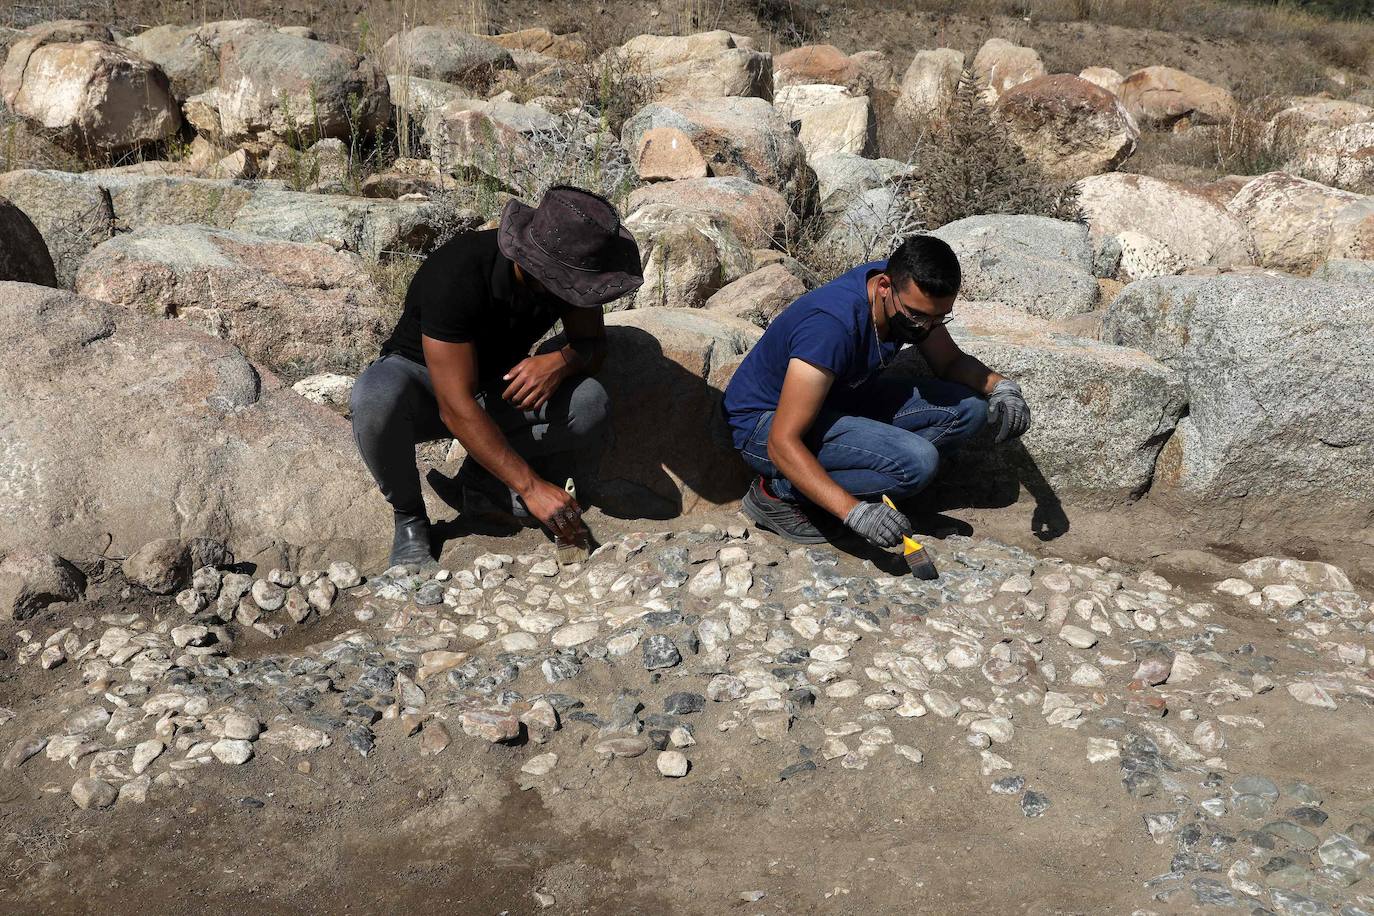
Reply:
x=572, y=243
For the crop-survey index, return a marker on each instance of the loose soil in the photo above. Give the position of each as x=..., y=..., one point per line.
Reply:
x=465, y=832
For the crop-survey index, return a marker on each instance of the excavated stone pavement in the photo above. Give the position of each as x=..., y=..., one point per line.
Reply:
x=722, y=636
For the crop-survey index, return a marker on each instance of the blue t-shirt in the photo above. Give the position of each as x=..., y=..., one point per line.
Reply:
x=830, y=327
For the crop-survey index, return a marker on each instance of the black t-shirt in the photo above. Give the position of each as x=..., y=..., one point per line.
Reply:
x=465, y=292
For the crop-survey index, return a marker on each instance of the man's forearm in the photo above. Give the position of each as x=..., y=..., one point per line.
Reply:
x=804, y=471
x=484, y=441
x=584, y=355
x=970, y=372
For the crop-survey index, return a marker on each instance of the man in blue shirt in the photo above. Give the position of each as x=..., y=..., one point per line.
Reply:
x=809, y=410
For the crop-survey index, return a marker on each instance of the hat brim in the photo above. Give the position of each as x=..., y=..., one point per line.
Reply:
x=581, y=288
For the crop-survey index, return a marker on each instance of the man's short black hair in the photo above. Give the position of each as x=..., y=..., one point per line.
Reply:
x=927, y=261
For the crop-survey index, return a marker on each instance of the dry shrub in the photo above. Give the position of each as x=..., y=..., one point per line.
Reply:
x=23, y=148
x=968, y=166
x=793, y=22
x=612, y=88
x=692, y=16
x=1244, y=145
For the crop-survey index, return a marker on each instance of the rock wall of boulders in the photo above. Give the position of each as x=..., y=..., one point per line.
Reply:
x=1199, y=343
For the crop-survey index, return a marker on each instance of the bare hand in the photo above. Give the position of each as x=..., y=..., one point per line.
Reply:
x=534, y=380
x=556, y=510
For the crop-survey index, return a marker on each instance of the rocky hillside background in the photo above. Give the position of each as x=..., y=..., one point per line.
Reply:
x=1163, y=213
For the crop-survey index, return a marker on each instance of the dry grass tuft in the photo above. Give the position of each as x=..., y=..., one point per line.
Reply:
x=392, y=278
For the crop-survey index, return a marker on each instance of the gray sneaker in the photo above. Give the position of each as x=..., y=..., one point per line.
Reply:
x=780, y=516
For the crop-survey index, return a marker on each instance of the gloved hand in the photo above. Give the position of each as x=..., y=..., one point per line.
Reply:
x=1008, y=411
x=878, y=524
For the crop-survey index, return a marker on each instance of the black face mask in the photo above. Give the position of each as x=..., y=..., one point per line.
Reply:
x=903, y=329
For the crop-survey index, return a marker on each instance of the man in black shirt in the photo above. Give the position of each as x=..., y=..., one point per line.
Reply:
x=458, y=365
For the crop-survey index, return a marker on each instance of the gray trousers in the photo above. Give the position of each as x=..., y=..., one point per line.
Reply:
x=394, y=408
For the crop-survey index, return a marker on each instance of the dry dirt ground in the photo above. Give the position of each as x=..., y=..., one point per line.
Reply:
x=466, y=832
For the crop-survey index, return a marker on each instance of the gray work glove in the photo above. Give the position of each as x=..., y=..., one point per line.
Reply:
x=1008, y=411
x=877, y=524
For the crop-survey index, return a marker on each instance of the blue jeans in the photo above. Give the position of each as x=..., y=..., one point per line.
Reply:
x=883, y=437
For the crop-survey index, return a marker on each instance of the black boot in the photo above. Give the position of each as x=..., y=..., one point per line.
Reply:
x=411, y=544
x=485, y=497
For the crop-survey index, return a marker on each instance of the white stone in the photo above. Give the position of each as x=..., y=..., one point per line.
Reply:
x=540, y=765
x=232, y=751
x=909, y=752
x=1284, y=596
x=145, y=752
x=672, y=764
x=1101, y=750
x=1237, y=587
x=1078, y=637
x=1311, y=694
x=575, y=634
x=240, y=727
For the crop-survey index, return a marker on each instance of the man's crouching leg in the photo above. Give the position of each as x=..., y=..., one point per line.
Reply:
x=943, y=413
x=394, y=407
x=562, y=440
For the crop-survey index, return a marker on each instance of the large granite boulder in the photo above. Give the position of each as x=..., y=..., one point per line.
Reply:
x=758, y=297
x=1040, y=265
x=928, y=87
x=737, y=136
x=695, y=236
x=707, y=65
x=278, y=87
x=445, y=54
x=683, y=358
x=841, y=177
x=31, y=581
x=509, y=142
x=24, y=256
x=299, y=308
x=75, y=85
x=166, y=432
x=1068, y=126
x=818, y=65
x=867, y=225
x=1297, y=224
x=1337, y=155
x=1102, y=413
x=1198, y=231
x=77, y=212
x=1162, y=97
x=757, y=215
x=189, y=54
x=999, y=65
x=1275, y=370
x=71, y=212
x=830, y=119
x=1305, y=113
x=417, y=98
x=569, y=47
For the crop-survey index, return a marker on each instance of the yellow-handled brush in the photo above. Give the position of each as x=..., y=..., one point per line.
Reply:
x=916, y=556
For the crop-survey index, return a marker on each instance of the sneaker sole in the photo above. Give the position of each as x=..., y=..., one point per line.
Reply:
x=760, y=518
